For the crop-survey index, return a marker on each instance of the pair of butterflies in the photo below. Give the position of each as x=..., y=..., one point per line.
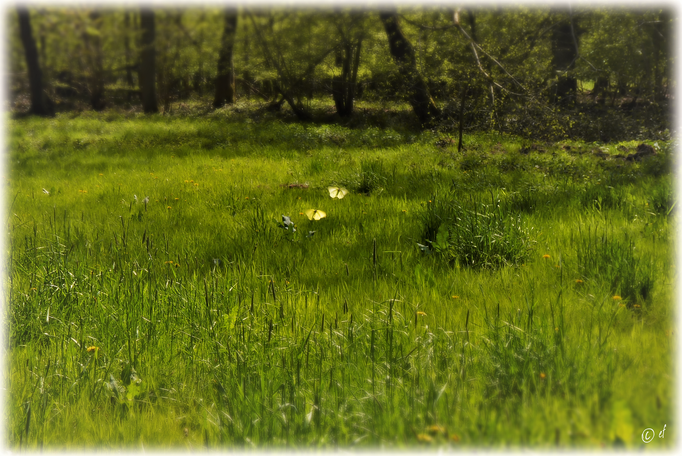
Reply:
x=334, y=192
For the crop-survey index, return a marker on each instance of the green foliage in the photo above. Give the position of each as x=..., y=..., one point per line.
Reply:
x=613, y=261
x=197, y=318
x=475, y=234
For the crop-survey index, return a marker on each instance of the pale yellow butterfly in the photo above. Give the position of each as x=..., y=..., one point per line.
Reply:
x=337, y=192
x=315, y=214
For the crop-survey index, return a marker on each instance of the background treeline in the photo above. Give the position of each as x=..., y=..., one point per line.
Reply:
x=512, y=69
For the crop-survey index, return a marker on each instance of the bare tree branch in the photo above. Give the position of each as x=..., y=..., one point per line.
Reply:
x=475, y=46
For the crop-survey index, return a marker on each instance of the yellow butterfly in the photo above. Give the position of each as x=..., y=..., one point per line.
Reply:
x=337, y=192
x=315, y=214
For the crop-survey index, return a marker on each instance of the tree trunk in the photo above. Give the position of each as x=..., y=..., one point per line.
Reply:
x=126, y=47
x=41, y=105
x=403, y=55
x=659, y=38
x=93, y=46
x=343, y=85
x=564, y=55
x=225, y=84
x=147, y=67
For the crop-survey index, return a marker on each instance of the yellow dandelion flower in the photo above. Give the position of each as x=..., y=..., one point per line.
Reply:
x=177, y=199
x=421, y=314
x=186, y=181
x=617, y=298
x=92, y=349
x=545, y=256
x=168, y=207
x=556, y=329
x=196, y=184
x=578, y=281
x=177, y=265
x=455, y=297
x=543, y=375
x=637, y=306
x=101, y=174
x=424, y=438
x=169, y=262
x=435, y=429
x=246, y=197
x=404, y=210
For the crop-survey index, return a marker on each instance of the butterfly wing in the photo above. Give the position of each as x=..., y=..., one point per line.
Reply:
x=315, y=214
x=337, y=192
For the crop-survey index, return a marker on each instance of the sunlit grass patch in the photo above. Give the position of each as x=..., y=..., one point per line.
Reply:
x=234, y=320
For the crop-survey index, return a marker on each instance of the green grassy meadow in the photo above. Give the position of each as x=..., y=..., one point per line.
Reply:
x=518, y=294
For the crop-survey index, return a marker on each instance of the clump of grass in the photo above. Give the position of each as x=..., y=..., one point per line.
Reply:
x=526, y=200
x=471, y=160
x=371, y=178
x=521, y=356
x=601, y=196
x=477, y=235
x=602, y=256
x=662, y=199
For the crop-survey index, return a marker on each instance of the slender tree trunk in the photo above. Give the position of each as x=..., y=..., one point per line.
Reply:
x=659, y=38
x=352, y=89
x=225, y=84
x=93, y=46
x=343, y=85
x=147, y=66
x=41, y=105
x=564, y=55
x=403, y=55
x=126, y=47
